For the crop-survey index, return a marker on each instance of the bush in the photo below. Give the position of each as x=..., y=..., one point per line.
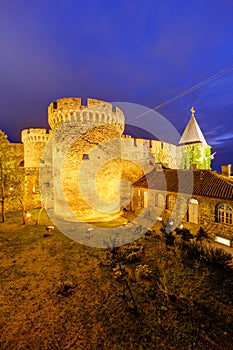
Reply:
x=216, y=257
x=144, y=272
x=131, y=253
x=126, y=254
x=170, y=240
x=207, y=254
x=189, y=252
x=186, y=235
x=201, y=234
x=227, y=286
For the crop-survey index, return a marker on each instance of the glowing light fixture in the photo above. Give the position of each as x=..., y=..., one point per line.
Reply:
x=223, y=241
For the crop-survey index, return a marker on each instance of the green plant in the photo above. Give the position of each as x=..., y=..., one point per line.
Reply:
x=120, y=273
x=216, y=257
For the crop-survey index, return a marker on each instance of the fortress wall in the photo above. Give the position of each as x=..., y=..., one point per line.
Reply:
x=154, y=150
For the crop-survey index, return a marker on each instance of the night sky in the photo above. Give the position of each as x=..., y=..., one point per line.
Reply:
x=143, y=52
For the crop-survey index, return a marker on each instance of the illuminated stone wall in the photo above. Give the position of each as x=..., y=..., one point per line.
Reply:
x=90, y=129
x=99, y=124
x=65, y=108
x=34, y=141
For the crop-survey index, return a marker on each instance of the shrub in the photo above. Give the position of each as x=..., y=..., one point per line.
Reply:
x=185, y=233
x=201, y=234
x=188, y=251
x=131, y=253
x=207, y=254
x=216, y=257
x=170, y=240
x=144, y=272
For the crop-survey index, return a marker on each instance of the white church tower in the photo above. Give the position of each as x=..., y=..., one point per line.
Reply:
x=193, y=148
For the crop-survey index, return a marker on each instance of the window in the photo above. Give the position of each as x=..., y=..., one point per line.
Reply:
x=171, y=201
x=85, y=156
x=224, y=213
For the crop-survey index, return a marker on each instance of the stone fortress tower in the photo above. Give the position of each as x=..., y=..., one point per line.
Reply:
x=34, y=141
x=91, y=167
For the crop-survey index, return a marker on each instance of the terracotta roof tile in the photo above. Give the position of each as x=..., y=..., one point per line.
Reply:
x=198, y=182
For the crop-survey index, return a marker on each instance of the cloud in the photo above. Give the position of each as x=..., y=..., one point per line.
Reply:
x=221, y=139
x=213, y=131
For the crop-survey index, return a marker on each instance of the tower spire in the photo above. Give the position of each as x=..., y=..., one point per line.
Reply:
x=192, y=110
x=192, y=133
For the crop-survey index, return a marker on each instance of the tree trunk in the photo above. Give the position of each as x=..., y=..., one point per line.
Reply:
x=23, y=211
x=3, y=210
x=3, y=202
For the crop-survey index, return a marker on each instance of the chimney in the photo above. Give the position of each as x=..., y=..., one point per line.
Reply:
x=226, y=170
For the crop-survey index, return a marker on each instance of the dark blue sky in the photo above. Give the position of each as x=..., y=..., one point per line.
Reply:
x=143, y=52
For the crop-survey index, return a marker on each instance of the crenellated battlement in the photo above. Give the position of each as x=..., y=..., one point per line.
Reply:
x=35, y=135
x=96, y=112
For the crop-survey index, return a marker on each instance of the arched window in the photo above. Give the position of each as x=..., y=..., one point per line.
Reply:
x=171, y=201
x=224, y=213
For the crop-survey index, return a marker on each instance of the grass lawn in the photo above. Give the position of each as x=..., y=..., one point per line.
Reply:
x=58, y=294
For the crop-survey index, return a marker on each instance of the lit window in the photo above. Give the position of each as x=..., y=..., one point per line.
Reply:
x=224, y=214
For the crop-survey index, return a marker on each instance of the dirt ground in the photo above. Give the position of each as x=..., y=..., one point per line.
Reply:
x=58, y=294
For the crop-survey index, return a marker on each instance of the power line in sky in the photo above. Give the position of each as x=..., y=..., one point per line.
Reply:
x=188, y=91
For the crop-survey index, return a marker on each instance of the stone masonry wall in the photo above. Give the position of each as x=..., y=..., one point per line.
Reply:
x=206, y=212
x=34, y=141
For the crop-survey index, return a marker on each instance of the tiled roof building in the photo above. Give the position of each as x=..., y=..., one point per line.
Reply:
x=205, y=182
x=207, y=199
